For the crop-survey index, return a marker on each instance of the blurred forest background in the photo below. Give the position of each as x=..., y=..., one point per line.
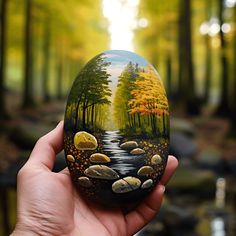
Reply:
x=192, y=44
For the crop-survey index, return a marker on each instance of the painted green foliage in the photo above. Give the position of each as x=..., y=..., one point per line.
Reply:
x=89, y=95
x=123, y=95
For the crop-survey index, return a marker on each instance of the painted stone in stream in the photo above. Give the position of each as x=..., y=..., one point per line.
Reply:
x=116, y=129
x=129, y=145
x=101, y=172
x=114, y=141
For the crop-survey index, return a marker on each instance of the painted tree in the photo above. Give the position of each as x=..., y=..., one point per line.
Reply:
x=149, y=98
x=90, y=90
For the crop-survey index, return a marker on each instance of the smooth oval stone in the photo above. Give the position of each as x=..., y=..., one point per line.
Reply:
x=129, y=145
x=99, y=158
x=156, y=159
x=137, y=151
x=116, y=122
x=85, y=182
x=126, y=184
x=145, y=170
x=70, y=158
x=85, y=141
x=147, y=184
x=101, y=172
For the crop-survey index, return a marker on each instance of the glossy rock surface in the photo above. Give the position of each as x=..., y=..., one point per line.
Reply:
x=116, y=133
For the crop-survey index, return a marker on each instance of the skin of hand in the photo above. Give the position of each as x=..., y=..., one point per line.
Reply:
x=48, y=203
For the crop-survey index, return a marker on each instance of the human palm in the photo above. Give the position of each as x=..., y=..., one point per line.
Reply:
x=48, y=204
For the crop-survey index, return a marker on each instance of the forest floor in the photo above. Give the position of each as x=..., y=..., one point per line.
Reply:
x=209, y=133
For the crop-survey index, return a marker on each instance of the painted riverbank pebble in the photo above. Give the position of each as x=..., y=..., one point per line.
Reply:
x=116, y=129
x=156, y=159
x=147, y=184
x=84, y=182
x=126, y=184
x=145, y=171
x=85, y=141
x=99, y=158
x=70, y=158
x=137, y=151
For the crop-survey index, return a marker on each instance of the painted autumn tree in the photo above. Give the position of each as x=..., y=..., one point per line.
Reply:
x=90, y=90
x=149, y=99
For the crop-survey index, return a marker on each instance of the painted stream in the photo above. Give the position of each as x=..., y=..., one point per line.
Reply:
x=121, y=160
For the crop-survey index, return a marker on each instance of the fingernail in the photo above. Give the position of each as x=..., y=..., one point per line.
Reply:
x=59, y=123
x=163, y=188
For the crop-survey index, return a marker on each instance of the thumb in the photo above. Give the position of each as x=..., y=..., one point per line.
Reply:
x=46, y=148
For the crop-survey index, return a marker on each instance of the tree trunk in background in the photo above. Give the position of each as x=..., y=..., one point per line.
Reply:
x=28, y=99
x=168, y=75
x=3, y=58
x=180, y=51
x=46, y=60
x=186, y=74
x=207, y=82
x=233, y=105
x=59, y=77
x=223, y=108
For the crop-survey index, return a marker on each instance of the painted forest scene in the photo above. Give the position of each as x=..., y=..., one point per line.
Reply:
x=111, y=93
x=117, y=116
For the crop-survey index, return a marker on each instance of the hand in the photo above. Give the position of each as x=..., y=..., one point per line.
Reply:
x=48, y=204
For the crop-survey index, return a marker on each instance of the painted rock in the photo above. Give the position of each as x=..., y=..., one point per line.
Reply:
x=116, y=130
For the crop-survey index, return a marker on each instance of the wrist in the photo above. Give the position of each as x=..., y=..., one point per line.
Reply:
x=23, y=230
x=34, y=227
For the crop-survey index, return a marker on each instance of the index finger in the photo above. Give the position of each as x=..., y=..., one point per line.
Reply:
x=46, y=148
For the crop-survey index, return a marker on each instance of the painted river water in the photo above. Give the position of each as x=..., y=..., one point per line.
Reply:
x=121, y=160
